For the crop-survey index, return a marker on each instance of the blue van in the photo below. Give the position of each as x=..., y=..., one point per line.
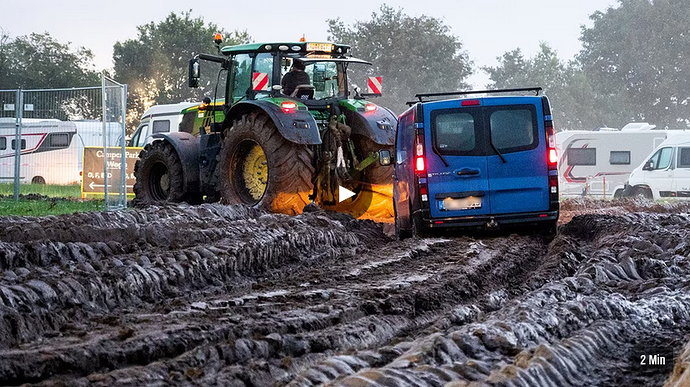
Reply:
x=484, y=162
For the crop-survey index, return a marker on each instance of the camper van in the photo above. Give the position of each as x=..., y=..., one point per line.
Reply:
x=665, y=173
x=51, y=150
x=159, y=119
x=598, y=163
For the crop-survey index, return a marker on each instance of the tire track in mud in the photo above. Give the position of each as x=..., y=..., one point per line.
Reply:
x=216, y=295
x=620, y=286
x=330, y=289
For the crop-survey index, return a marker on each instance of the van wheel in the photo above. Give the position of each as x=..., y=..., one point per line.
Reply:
x=548, y=231
x=38, y=180
x=618, y=194
x=418, y=229
x=400, y=234
x=642, y=193
x=158, y=174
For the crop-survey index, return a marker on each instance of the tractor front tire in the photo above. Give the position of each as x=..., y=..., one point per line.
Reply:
x=260, y=168
x=159, y=176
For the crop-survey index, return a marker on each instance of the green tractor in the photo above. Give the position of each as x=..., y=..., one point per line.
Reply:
x=261, y=147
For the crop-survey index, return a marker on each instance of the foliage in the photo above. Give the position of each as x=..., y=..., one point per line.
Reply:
x=155, y=64
x=38, y=61
x=412, y=54
x=564, y=83
x=637, y=58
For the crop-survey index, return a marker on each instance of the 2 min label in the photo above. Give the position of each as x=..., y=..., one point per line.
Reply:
x=653, y=359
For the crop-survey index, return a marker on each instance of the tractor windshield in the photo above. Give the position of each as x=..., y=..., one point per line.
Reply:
x=328, y=77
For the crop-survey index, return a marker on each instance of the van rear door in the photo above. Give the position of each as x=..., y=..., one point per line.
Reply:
x=456, y=160
x=517, y=163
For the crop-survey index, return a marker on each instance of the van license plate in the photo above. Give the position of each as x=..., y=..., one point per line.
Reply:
x=469, y=203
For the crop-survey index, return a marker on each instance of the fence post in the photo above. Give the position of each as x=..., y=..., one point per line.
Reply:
x=18, y=113
x=123, y=159
x=105, y=140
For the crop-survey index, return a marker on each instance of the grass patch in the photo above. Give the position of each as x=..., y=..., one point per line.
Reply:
x=25, y=207
x=60, y=191
x=44, y=199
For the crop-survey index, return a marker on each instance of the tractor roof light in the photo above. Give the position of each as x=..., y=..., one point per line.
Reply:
x=218, y=38
x=370, y=107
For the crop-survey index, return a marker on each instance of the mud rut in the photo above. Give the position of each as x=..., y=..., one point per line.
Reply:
x=219, y=295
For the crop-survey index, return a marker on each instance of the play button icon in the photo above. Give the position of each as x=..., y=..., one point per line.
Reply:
x=344, y=193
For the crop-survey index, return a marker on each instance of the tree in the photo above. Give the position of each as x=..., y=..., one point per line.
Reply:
x=38, y=61
x=637, y=57
x=566, y=86
x=412, y=54
x=154, y=65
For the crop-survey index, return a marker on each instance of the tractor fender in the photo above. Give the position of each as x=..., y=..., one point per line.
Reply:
x=378, y=125
x=187, y=148
x=298, y=126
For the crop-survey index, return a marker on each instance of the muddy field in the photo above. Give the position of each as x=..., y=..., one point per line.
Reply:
x=217, y=295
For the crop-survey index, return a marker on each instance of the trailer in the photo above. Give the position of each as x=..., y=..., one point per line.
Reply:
x=51, y=150
x=597, y=163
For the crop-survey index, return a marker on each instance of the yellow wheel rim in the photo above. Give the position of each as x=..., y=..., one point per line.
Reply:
x=255, y=172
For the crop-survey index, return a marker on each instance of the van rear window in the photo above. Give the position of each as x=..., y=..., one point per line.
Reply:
x=513, y=129
x=455, y=132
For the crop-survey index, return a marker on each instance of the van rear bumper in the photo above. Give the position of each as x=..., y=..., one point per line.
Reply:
x=489, y=220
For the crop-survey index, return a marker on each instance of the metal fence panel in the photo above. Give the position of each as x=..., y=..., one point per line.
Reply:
x=43, y=134
x=114, y=118
x=10, y=124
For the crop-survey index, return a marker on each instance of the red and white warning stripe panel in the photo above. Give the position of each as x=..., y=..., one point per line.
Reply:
x=374, y=84
x=260, y=81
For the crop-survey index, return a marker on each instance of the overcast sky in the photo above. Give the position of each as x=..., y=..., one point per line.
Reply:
x=487, y=28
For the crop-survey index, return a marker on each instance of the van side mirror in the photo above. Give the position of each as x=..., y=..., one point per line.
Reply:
x=194, y=72
x=385, y=157
x=648, y=166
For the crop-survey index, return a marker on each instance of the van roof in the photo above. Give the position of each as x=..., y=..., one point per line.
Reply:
x=676, y=138
x=530, y=98
x=167, y=109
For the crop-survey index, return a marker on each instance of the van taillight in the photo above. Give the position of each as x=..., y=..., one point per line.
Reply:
x=552, y=158
x=552, y=154
x=420, y=161
x=420, y=165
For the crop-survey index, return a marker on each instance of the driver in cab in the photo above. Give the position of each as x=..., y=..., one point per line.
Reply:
x=297, y=76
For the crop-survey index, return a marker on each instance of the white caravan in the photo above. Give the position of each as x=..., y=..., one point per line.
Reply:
x=51, y=150
x=664, y=174
x=159, y=119
x=598, y=163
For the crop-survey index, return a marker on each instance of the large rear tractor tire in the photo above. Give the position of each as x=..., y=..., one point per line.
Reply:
x=260, y=168
x=159, y=176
